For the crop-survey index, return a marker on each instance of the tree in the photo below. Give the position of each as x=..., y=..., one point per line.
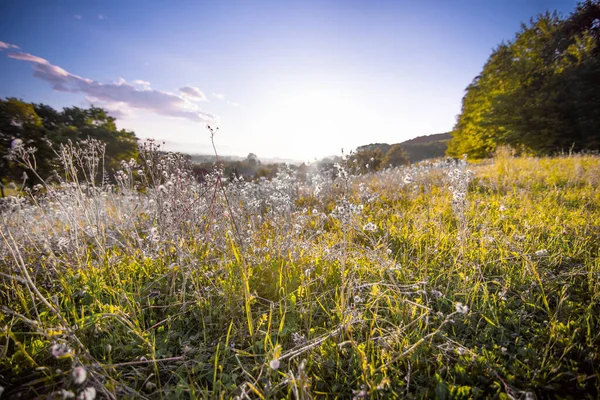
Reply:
x=538, y=92
x=395, y=156
x=367, y=160
x=77, y=124
x=42, y=127
x=18, y=120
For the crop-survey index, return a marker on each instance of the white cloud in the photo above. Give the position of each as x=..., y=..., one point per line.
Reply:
x=77, y=16
x=233, y=103
x=141, y=82
x=193, y=92
x=101, y=16
x=116, y=94
x=6, y=46
x=219, y=96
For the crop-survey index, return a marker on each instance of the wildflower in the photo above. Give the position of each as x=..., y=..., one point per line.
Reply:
x=503, y=349
x=298, y=339
x=16, y=144
x=408, y=179
x=89, y=393
x=67, y=394
x=541, y=253
x=79, y=375
x=59, y=350
x=370, y=227
x=436, y=293
x=357, y=299
x=502, y=208
x=461, y=351
x=529, y=396
x=274, y=363
x=162, y=188
x=461, y=308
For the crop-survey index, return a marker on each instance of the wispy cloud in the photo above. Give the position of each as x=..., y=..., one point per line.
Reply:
x=30, y=58
x=140, y=82
x=193, y=92
x=101, y=16
x=77, y=16
x=233, y=103
x=116, y=94
x=219, y=96
x=7, y=46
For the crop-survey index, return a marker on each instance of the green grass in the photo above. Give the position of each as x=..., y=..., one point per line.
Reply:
x=341, y=312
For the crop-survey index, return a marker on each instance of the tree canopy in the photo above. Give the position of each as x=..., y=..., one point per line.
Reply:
x=44, y=128
x=539, y=92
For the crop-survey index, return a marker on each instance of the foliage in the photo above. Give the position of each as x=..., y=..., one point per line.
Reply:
x=395, y=156
x=537, y=93
x=412, y=282
x=41, y=127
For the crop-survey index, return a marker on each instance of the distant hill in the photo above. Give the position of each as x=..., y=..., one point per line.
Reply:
x=429, y=146
x=419, y=148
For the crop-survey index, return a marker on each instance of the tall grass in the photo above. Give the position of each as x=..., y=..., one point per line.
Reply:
x=442, y=280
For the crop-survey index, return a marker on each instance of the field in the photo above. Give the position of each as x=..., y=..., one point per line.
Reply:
x=439, y=280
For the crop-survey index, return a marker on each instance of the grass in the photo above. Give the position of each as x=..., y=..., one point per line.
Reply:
x=419, y=282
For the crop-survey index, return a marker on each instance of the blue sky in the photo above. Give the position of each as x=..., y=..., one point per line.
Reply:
x=294, y=79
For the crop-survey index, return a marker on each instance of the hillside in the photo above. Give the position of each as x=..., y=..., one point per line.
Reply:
x=418, y=149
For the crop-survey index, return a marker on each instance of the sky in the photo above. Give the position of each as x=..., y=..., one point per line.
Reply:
x=290, y=79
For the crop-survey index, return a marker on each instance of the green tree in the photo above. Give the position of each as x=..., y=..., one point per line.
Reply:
x=18, y=120
x=395, y=156
x=538, y=92
x=42, y=127
x=367, y=160
x=77, y=124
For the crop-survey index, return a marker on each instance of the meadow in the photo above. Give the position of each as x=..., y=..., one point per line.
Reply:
x=442, y=280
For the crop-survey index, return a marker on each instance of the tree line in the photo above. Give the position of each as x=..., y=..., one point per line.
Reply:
x=538, y=93
x=42, y=127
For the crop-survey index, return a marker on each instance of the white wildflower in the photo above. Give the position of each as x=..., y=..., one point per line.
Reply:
x=67, y=394
x=79, y=375
x=16, y=144
x=370, y=227
x=461, y=308
x=541, y=253
x=89, y=393
x=274, y=363
x=60, y=350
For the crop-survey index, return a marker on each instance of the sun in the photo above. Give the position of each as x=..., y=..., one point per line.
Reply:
x=312, y=122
